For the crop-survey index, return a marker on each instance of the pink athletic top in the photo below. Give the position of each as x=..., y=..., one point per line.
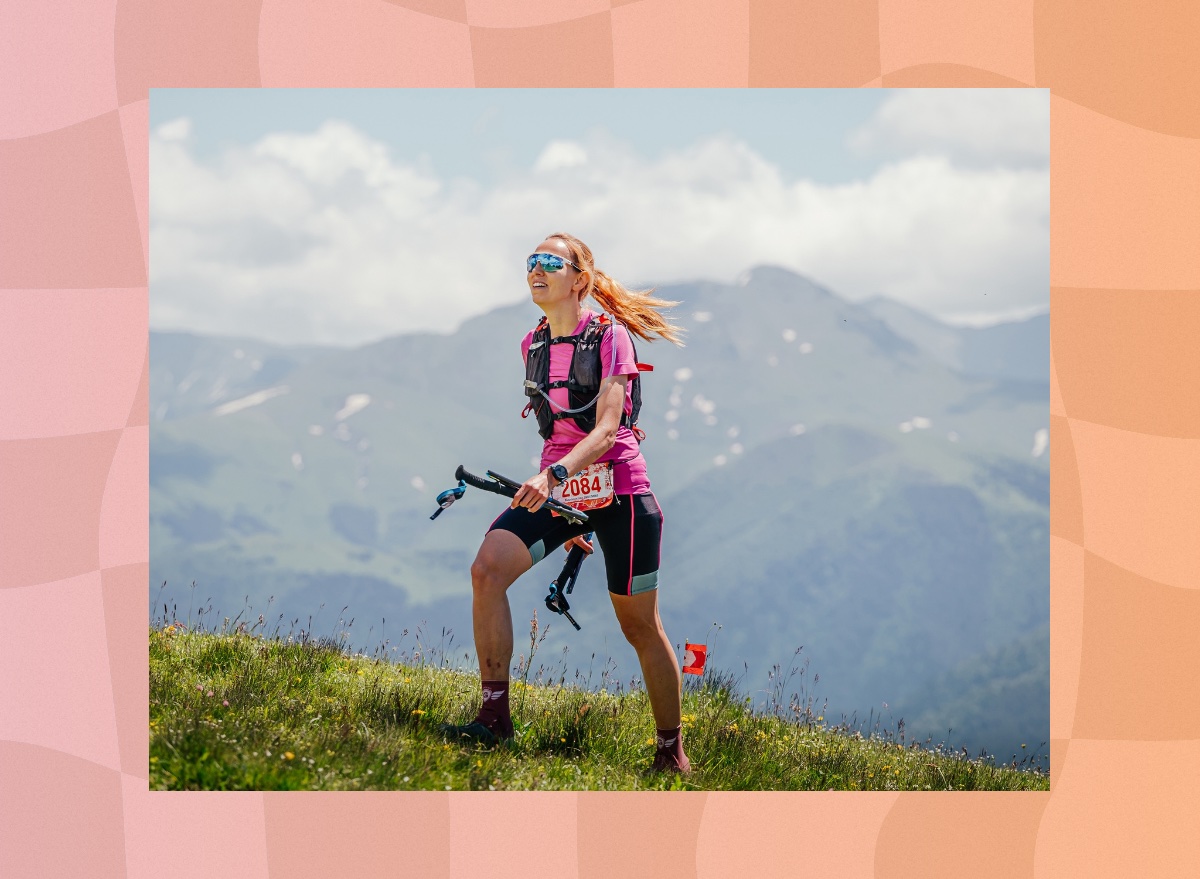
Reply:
x=629, y=473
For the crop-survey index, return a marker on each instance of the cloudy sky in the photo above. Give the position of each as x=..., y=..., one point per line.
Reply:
x=341, y=217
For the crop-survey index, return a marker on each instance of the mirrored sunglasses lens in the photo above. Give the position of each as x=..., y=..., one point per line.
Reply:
x=548, y=261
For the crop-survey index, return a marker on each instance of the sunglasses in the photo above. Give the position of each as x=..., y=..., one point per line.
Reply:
x=550, y=262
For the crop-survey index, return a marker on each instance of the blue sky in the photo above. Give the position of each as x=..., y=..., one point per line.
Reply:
x=340, y=217
x=486, y=134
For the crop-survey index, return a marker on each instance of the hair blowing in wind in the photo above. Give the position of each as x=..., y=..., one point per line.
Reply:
x=636, y=309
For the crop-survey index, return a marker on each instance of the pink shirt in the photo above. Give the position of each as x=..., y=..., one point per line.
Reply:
x=629, y=473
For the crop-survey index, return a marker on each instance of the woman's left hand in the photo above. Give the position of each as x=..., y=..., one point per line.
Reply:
x=533, y=493
x=579, y=541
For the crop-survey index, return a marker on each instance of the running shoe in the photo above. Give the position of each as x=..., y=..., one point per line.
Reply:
x=473, y=731
x=665, y=761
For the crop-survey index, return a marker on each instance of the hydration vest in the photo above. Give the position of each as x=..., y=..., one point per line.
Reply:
x=583, y=380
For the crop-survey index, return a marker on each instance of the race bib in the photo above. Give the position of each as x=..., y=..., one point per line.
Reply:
x=590, y=489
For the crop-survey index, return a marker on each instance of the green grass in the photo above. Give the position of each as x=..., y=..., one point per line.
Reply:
x=233, y=710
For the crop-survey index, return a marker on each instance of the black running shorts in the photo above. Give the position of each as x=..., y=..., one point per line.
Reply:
x=629, y=531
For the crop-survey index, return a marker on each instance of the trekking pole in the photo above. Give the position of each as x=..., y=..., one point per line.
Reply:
x=565, y=582
x=498, y=484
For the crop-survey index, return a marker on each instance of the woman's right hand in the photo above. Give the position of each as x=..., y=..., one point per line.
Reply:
x=533, y=493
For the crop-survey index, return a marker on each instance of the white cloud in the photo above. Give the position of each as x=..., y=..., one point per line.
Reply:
x=1041, y=441
x=561, y=154
x=990, y=125
x=176, y=129
x=325, y=237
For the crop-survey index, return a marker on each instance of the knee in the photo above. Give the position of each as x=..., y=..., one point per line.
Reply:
x=639, y=632
x=487, y=573
x=483, y=573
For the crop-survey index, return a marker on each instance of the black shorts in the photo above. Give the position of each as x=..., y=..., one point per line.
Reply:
x=629, y=531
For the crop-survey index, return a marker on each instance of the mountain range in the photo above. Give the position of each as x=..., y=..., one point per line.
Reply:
x=860, y=481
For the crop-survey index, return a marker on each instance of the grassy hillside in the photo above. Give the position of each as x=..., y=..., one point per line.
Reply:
x=236, y=710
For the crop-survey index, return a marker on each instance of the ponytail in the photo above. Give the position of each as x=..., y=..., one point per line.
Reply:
x=636, y=309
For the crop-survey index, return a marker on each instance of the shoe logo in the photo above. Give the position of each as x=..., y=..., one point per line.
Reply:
x=490, y=695
x=666, y=743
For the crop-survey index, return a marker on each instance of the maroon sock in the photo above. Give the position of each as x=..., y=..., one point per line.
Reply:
x=669, y=753
x=494, y=712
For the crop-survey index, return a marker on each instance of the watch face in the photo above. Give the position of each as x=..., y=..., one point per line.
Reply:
x=559, y=471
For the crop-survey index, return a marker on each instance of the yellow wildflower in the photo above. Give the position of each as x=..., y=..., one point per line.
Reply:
x=288, y=755
x=419, y=711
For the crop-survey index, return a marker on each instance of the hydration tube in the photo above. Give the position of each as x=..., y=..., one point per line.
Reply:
x=612, y=370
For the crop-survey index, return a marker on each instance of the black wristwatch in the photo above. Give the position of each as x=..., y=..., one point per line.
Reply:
x=559, y=472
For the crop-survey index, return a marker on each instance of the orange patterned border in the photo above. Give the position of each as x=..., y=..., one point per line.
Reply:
x=1125, y=434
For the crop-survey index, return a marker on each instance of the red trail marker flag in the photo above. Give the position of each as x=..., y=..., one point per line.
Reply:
x=693, y=658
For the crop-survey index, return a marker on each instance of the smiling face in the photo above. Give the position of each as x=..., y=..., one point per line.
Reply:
x=550, y=289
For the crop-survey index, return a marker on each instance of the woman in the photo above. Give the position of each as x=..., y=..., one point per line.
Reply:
x=585, y=407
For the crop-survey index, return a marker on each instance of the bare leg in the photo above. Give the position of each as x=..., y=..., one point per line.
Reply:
x=638, y=615
x=501, y=559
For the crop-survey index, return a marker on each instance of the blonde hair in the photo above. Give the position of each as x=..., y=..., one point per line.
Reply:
x=636, y=309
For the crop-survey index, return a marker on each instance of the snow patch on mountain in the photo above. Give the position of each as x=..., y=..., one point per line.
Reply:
x=255, y=399
x=354, y=403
